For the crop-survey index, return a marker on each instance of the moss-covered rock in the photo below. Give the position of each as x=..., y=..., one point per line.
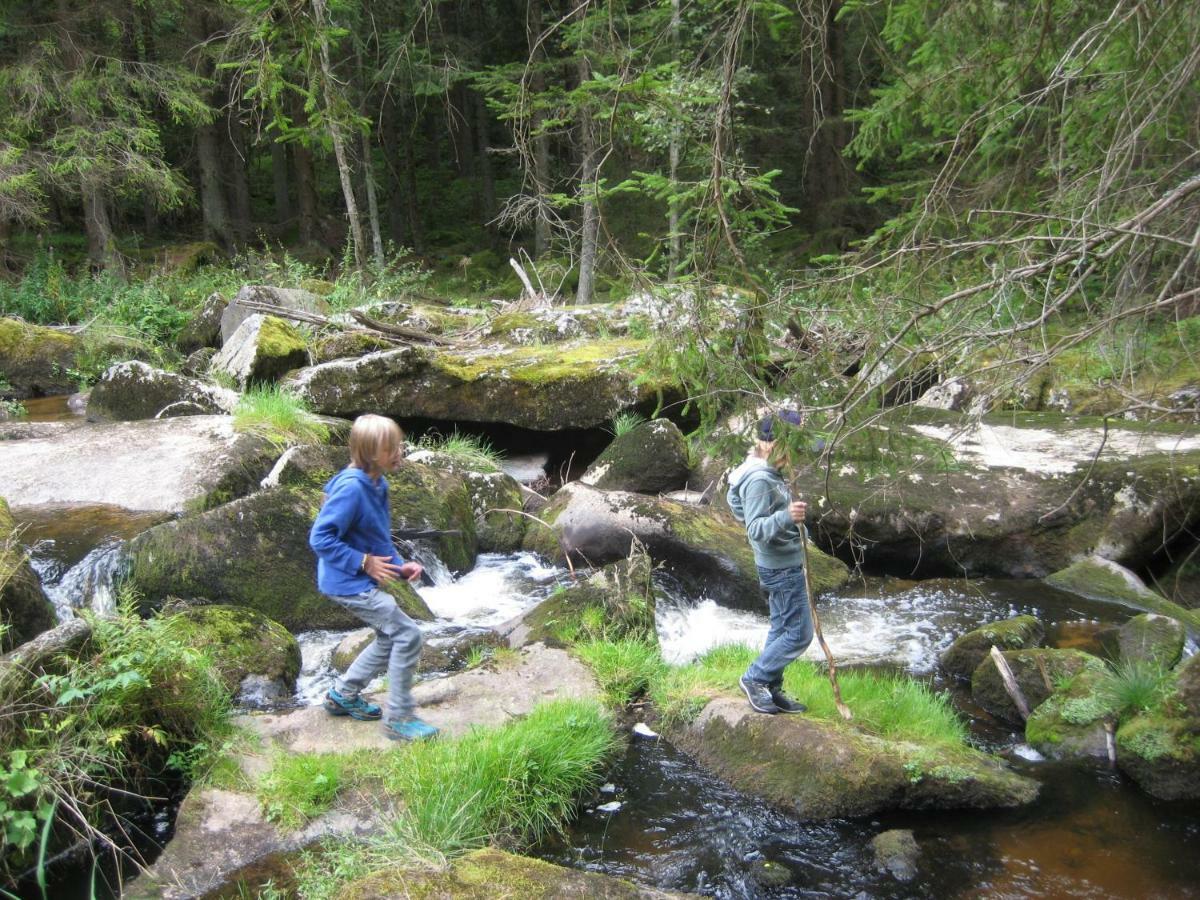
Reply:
x=616, y=602
x=650, y=459
x=492, y=874
x=25, y=610
x=496, y=499
x=1038, y=673
x=134, y=390
x=576, y=385
x=1160, y=750
x=422, y=497
x=705, y=549
x=1152, y=638
x=821, y=770
x=1100, y=579
x=237, y=311
x=896, y=852
x=262, y=350
x=204, y=328
x=963, y=657
x=1072, y=721
x=241, y=642
x=1187, y=686
x=348, y=344
x=37, y=361
x=252, y=552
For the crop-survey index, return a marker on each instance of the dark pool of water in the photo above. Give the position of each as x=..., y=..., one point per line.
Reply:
x=50, y=409
x=1090, y=834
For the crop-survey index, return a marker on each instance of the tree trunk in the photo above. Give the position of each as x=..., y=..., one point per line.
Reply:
x=487, y=178
x=212, y=193
x=238, y=154
x=279, y=177
x=335, y=136
x=590, y=219
x=102, y=253
x=541, y=143
x=372, y=202
x=306, y=179
x=673, y=163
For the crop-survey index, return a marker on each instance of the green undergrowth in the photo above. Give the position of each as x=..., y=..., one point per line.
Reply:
x=509, y=785
x=470, y=450
x=281, y=418
x=889, y=706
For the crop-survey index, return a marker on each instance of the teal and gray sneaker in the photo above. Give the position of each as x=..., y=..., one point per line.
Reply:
x=409, y=730
x=354, y=707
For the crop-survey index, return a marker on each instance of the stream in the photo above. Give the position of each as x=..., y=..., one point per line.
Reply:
x=1092, y=833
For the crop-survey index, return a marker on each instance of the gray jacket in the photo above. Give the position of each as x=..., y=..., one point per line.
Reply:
x=759, y=498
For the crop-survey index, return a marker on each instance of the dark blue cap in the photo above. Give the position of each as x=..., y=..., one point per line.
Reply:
x=768, y=426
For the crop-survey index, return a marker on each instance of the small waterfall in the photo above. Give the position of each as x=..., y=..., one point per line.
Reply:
x=90, y=583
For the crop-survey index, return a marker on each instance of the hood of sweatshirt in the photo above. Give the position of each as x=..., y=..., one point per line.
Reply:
x=751, y=465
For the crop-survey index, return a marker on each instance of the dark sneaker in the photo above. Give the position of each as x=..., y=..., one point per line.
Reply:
x=785, y=703
x=409, y=730
x=354, y=707
x=759, y=695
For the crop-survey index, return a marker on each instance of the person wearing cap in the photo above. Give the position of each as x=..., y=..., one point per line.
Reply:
x=760, y=499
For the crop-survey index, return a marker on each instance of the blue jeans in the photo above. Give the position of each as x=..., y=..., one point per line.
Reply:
x=397, y=647
x=791, y=624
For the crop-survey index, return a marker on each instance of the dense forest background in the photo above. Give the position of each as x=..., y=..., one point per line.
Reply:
x=943, y=177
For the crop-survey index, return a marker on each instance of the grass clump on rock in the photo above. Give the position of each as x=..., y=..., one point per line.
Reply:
x=472, y=452
x=279, y=417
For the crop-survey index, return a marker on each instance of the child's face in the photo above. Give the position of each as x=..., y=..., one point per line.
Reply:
x=389, y=458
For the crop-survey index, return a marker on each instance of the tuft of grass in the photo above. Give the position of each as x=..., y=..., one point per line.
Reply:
x=625, y=422
x=301, y=786
x=1134, y=685
x=473, y=452
x=624, y=668
x=281, y=418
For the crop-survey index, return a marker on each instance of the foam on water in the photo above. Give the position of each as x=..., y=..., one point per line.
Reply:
x=498, y=588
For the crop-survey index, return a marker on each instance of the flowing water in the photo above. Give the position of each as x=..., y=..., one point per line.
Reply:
x=1091, y=833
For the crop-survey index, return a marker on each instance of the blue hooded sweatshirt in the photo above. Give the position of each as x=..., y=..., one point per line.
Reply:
x=759, y=497
x=355, y=520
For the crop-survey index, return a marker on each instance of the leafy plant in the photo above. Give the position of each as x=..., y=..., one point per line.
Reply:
x=278, y=416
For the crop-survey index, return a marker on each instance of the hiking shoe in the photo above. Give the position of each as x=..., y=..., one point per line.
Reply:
x=409, y=730
x=759, y=695
x=354, y=707
x=785, y=703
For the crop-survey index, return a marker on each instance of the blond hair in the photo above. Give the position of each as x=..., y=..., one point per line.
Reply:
x=369, y=435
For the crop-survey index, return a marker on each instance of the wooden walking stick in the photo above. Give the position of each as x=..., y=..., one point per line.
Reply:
x=812, y=606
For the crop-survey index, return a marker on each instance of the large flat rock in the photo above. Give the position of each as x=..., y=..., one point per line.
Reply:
x=162, y=465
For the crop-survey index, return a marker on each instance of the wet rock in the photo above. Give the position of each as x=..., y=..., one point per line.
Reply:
x=580, y=385
x=198, y=362
x=163, y=465
x=613, y=603
x=37, y=361
x=24, y=608
x=134, y=390
x=203, y=330
x=896, y=853
x=1159, y=749
x=648, y=459
x=770, y=874
x=262, y=350
x=1036, y=671
x=1152, y=638
x=496, y=499
x=492, y=874
x=963, y=657
x=705, y=549
x=242, y=643
x=1098, y=578
x=236, y=312
x=817, y=770
x=422, y=497
x=1071, y=722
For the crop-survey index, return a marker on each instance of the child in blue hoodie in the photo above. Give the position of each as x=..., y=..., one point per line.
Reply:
x=352, y=538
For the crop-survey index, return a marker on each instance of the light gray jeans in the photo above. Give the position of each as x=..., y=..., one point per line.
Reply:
x=396, y=648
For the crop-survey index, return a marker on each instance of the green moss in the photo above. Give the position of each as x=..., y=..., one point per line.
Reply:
x=1095, y=581
x=240, y=642
x=278, y=338
x=426, y=498
x=969, y=650
x=541, y=364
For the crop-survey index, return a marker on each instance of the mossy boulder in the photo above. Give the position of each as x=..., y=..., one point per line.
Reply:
x=134, y=390
x=1037, y=671
x=896, y=852
x=252, y=552
x=492, y=874
x=613, y=603
x=1160, y=748
x=24, y=607
x=963, y=657
x=36, y=361
x=1152, y=638
x=422, y=497
x=204, y=327
x=1072, y=720
x=237, y=311
x=348, y=344
x=496, y=499
x=575, y=385
x=705, y=549
x=650, y=458
x=1101, y=579
x=822, y=770
x=262, y=350
x=242, y=643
